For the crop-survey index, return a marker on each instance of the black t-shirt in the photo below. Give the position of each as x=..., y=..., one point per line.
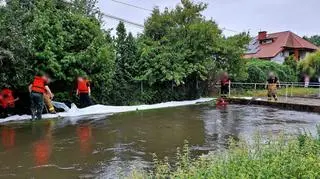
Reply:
x=273, y=80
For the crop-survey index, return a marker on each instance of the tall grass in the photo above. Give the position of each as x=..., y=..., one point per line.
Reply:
x=281, y=157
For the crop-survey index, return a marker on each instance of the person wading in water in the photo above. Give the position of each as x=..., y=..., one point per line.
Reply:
x=272, y=85
x=37, y=90
x=225, y=82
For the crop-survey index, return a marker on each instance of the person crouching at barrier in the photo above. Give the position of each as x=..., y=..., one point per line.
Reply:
x=272, y=85
x=221, y=102
x=84, y=92
x=47, y=100
x=37, y=90
x=7, y=101
x=225, y=82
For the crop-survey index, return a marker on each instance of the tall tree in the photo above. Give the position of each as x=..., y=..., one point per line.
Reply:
x=60, y=40
x=180, y=47
x=123, y=82
x=15, y=46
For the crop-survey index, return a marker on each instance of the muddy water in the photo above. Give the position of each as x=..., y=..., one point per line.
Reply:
x=109, y=146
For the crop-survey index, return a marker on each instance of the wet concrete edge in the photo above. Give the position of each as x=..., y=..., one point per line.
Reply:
x=280, y=104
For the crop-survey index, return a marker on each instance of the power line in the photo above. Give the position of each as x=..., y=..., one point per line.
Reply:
x=131, y=5
x=123, y=20
x=225, y=29
x=142, y=26
x=142, y=8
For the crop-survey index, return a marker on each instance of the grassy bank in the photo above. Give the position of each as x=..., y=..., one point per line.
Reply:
x=281, y=157
x=300, y=92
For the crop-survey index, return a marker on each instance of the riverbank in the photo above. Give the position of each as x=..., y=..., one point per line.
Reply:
x=281, y=157
x=75, y=113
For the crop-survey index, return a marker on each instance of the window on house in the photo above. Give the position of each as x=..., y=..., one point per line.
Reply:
x=291, y=53
x=268, y=41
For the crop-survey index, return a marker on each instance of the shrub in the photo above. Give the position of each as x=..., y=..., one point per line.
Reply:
x=258, y=71
x=281, y=157
x=310, y=64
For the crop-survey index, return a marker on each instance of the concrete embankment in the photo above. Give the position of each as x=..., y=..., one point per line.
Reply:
x=295, y=103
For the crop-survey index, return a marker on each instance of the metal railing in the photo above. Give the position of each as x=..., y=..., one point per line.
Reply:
x=286, y=89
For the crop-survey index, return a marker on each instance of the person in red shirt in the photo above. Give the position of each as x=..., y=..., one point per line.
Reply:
x=37, y=89
x=225, y=82
x=84, y=92
x=7, y=101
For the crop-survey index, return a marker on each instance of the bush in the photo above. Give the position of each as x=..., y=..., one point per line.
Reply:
x=291, y=62
x=310, y=64
x=281, y=157
x=258, y=71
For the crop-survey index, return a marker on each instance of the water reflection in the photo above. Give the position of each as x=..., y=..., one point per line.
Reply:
x=84, y=133
x=42, y=148
x=220, y=125
x=8, y=137
x=120, y=143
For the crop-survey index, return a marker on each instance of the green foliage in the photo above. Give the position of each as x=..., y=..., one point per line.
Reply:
x=258, y=71
x=60, y=38
x=177, y=56
x=15, y=46
x=281, y=157
x=180, y=49
x=315, y=39
x=310, y=64
x=291, y=62
x=124, y=84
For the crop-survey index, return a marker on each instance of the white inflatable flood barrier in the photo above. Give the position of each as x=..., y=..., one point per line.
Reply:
x=75, y=113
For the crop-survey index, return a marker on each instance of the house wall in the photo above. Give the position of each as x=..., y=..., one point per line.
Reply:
x=303, y=54
x=286, y=53
x=280, y=57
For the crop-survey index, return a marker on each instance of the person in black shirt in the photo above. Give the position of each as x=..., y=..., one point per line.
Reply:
x=272, y=85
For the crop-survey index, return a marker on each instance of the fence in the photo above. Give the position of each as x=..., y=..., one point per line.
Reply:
x=286, y=89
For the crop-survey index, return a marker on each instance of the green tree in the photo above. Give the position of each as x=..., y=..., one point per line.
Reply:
x=310, y=64
x=58, y=38
x=126, y=54
x=315, y=39
x=291, y=62
x=180, y=47
x=15, y=46
x=258, y=71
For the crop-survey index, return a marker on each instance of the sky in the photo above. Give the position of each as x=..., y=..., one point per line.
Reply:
x=299, y=16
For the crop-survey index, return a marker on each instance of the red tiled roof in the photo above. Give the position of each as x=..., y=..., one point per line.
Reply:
x=281, y=40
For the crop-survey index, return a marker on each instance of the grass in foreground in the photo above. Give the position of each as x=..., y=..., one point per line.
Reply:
x=283, y=157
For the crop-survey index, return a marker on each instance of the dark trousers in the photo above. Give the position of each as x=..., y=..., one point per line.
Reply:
x=37, y=105
x=224, y=90
x=85, y=100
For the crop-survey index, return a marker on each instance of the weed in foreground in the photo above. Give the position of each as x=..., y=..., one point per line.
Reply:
x=275, y=157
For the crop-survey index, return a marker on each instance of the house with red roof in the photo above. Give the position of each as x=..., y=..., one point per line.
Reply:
x=277, y=46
